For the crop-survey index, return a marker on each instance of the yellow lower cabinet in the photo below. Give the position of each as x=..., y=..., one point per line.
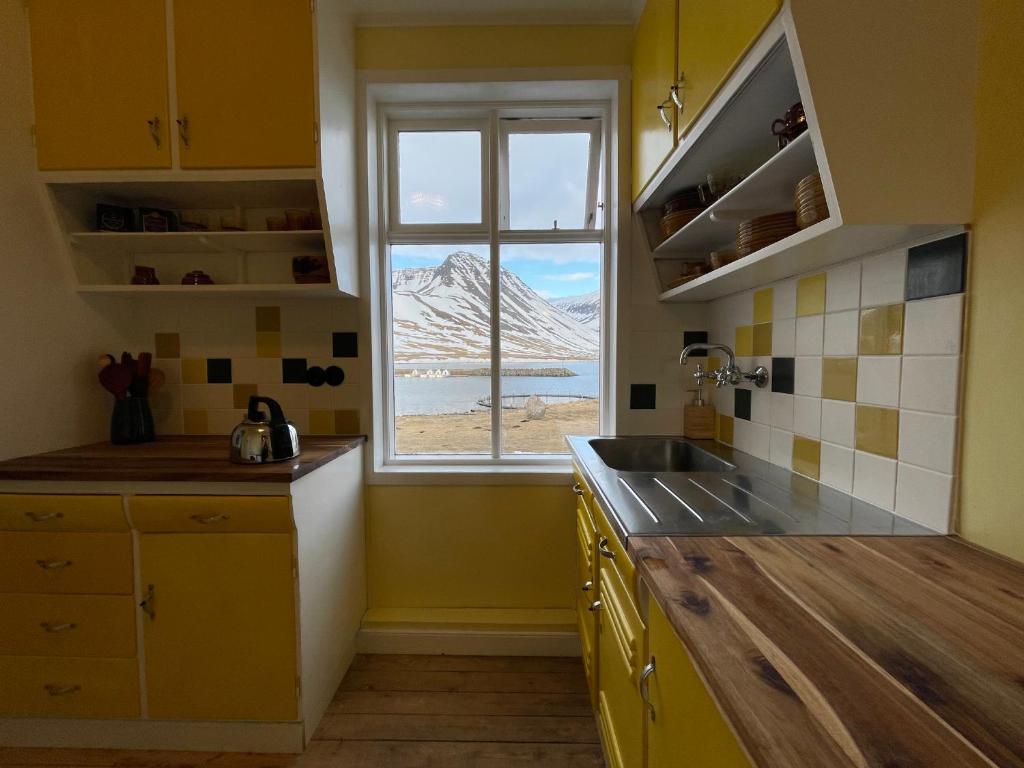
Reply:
x=685, y=727
x=219, y=626
x=39, y=512
x=34, y=686
x=67, y=625
x=67, y=563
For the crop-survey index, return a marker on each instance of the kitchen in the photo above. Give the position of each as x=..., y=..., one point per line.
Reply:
x=826, y=572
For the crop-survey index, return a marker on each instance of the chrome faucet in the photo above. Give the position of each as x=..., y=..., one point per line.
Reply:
x=729, y=374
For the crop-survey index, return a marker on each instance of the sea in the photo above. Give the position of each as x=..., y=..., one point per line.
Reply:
x=460, y=394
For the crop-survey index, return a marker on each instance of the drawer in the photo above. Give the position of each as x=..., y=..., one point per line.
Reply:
x=36, y=512
x=211, y=514
x=53, y=687
x=611, y=549
x=622, y=619
x=611, y=744
x=68, y=625
x=68, y=563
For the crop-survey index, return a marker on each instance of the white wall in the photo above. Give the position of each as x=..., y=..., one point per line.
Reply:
x=49, y=335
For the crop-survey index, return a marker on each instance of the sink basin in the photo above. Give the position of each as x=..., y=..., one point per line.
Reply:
x=656, y=454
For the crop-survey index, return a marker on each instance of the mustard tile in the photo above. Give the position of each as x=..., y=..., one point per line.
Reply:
x=878, y=430
x=763, y=339
x=167, y=345
x=321, y=422
x=839, y=378
x=763, y=300
x=193, y=370
x=744, y=341
x=713, y=363
x=881, y=330
x=347, y=422
x=806, y=456
x=810, y=295
x=268, y=344
x=268, y=318
x=725, y=429
x=195, y=422
x=241, y=394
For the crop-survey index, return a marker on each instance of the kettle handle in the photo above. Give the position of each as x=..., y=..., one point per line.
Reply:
x=276, y=414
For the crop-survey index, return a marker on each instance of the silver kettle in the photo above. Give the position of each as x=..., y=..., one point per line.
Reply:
x=262, y=440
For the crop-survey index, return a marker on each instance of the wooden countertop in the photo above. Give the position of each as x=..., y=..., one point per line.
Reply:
x=182, y=458
x=840, y=651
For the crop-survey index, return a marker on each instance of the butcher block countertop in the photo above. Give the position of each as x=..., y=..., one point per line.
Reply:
x=842, y=651
x=182, y=458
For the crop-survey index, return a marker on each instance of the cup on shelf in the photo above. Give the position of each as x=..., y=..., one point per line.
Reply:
x=277, y=223
x=297, y=219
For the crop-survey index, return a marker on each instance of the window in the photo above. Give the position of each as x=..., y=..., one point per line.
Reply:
x=493, y=261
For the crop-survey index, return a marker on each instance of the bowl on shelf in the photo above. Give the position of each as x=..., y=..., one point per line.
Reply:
x=809, y=200
x=755, y=234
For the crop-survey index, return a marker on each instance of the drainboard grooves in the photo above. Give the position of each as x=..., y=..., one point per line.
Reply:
x=758, y=498
x=675, y=496
x=722, y=501
x=640, y=501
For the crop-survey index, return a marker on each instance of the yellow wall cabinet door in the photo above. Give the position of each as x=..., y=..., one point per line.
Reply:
x=219, y=626
x=99, y=72
x=687, y=728
x=244, y=74
x=654, y=66
x=713, y=36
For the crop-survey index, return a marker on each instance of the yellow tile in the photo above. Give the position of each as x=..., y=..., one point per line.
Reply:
x=193, y=370
x=744, y=341
x=347, y=422
x=725, y=429
x=713, y=363
x=806, y=456
x=839, y=378
x=878, y=430
x=195, y=422
x=810, y=295
x=881, y=330
x=763, y=339
x=268, y=318
x=241, y=394
x=268, y=344
x=321, y=422
x=763, y=305
x=167, y=345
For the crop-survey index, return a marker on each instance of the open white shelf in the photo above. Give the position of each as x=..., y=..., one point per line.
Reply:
x=254, y=290
x=118, y=243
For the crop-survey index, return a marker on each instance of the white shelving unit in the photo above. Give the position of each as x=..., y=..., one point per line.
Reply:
x=118, y=243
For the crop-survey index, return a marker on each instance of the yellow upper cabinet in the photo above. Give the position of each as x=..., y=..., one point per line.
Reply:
x=245, y=82
x=99, y=73
x=713, y=36
x=654, y=65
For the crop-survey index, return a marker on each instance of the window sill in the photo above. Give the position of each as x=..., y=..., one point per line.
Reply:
x=553, y=472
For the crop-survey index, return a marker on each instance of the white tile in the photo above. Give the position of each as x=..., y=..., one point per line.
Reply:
x=883, y=279
x=932, y=326
x=781, y=449
x=807, y=377
x=810, y=332
x=784, y=300
x=784, y=338
x=841, y=333
x=807, y=416
x=924, y=497
x=725, y=401
x=742, y=437
x=761, y=405
x=930, y=384
x=878, y=380
x=782, y=410
x=836, y=467
x=927, y=440
x=837, y=422
x=874, y=479
x=842, y=288
x=760, y=441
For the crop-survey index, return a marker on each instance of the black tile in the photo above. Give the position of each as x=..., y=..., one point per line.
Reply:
x=741, y=408
x=782, y=374
x=218, y=370
x=696, y=337
x=642, y=396
x=346, y=344
x=293, y=370
x=937, y=268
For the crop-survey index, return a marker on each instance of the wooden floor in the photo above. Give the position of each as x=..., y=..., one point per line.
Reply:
x=413, y=712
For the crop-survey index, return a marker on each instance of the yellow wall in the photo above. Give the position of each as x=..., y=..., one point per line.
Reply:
x=492, y=47
x=991, y=507
x=471, y=546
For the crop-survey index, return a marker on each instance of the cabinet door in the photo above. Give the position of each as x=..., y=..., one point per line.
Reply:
x=99, y=75
x=713, y=36
x=245, y=83
x=219, y=629
x=654, y=65
x=688, y=730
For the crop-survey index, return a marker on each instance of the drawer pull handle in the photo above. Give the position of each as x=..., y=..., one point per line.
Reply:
x=148, y=604
x=49, y=626
x=42, y=517
x=645, y=686
x=587, y=586
x=595, y=606
x=53, y=565
x=577, y=489
x=61, y=690
x=602, y=547
x=209, y=519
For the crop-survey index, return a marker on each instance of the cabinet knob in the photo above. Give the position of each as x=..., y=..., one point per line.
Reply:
x=183, y=133
x=577, y=489
x=675, y=92
x=645, y=687
x=154, y=130
x=595, y=606
x=661, y=113
x=587, y=586
x=53, y=565
x=148, y=604
x=602, y=547
x=52, y=627
x=42, y=517
x=54, y=689
x=209, y=519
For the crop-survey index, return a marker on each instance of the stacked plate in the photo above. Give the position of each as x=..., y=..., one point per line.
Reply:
x=673, y=222
x=809, y=200
x=682, y=208
x=755, y=234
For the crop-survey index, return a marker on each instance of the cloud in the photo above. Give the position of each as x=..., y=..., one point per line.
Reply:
x=572, y=277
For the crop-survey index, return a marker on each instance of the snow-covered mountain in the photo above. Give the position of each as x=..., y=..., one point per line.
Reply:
x=586, y=308
x=441, y=313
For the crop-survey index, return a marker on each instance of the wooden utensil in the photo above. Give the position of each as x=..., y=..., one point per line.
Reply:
x=103, y=361
x=117, y=379
x=157, y=378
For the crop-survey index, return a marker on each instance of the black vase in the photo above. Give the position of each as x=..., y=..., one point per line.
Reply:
x=132, y=422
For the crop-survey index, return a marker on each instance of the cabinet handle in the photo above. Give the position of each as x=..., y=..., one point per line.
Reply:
x=154, y=129
x=661, y=113
x=674, y=91
x=148, y=604
x=645, y=687
x=183, y=131
x=577, y=489
x=587, y=586
x=209, y=519
x=49, y=626
x=595, y=606
x=53, y=565
x=602, y=547
x=41, y=517
x=61, y=690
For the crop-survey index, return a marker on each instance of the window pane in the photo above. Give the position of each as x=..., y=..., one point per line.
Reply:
x=547, y=180
x=550, y=342
x=439, y=177
x=441, y=341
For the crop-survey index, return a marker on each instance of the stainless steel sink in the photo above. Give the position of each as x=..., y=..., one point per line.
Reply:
x=656, y=454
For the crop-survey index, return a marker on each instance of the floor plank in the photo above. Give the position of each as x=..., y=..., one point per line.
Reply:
x=452, y=703
x=558, y=730
x=464, y=682
x=520, y=664
x=392, y=754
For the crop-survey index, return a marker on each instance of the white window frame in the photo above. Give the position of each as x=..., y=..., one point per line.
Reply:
x=490, y=120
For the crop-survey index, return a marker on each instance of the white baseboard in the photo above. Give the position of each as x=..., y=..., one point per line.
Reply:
x=466, y=642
